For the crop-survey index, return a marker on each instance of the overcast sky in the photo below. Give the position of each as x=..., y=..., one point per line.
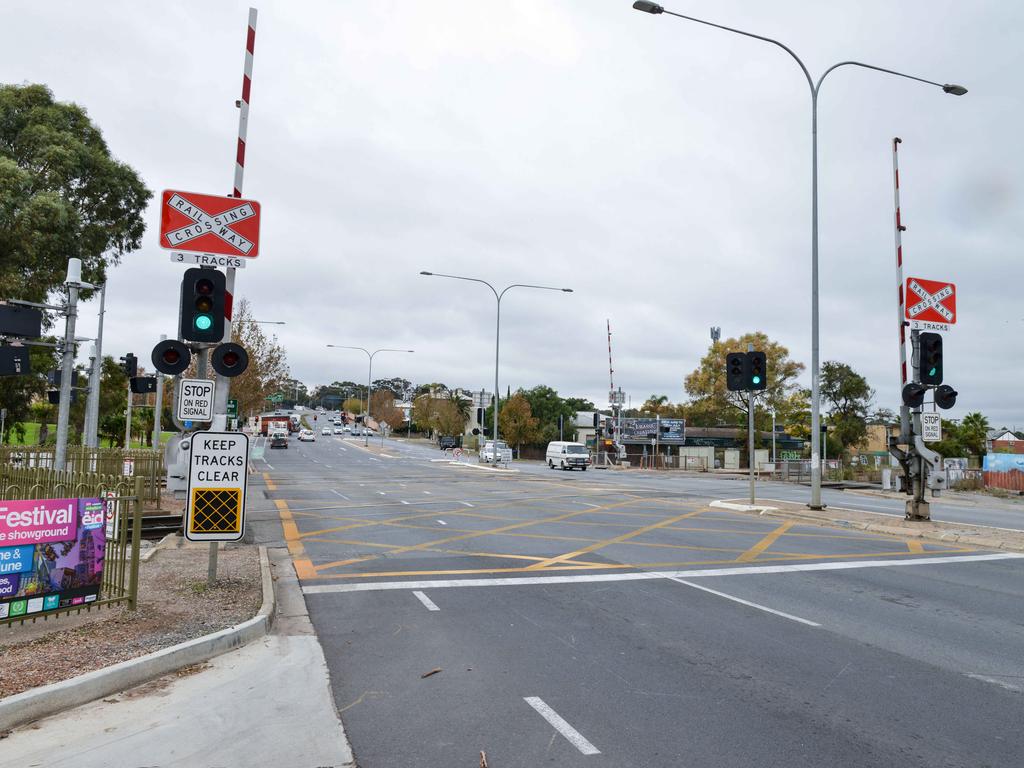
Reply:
x=659, y=168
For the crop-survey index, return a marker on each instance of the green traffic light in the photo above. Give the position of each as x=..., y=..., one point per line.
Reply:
x=757, y=379
x=203, y=322
x=932, y=372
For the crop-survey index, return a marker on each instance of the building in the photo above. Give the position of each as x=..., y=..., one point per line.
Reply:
x=1003, y=441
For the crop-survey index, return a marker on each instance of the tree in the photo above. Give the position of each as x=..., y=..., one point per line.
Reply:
x=579, y=404
x=268, y=363
x=545, y=406
x=516, y=421
x=713, y=405
x=462, y=405
x=974, y=429
x=352, y=405
x=62, y=195
x=400, y=388
x=383, y=409
x=437, y=415
x=848, y=397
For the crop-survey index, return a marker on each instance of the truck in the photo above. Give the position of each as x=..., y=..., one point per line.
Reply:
x=273, y=423
x=294, y=423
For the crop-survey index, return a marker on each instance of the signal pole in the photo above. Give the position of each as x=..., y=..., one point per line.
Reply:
x=750, y=433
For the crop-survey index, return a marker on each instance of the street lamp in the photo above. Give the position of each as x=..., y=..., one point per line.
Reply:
x=955, y=90
x=497, y=332
x=369, y=376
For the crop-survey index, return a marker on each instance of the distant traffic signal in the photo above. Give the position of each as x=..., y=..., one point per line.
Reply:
x=758, y=363
x=203, y=295
x=945, y=396
x=130, y=365
x=171, y=357
x=931, y=358
x=229, y=359
x=141, y=385
x=913, y=394
x=14, y=361
x=736, y=367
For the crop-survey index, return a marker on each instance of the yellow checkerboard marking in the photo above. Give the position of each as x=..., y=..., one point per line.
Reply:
x=216, y=510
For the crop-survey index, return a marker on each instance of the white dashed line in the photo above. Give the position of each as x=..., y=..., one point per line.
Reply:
x=346, y=498
x=427, y=602
x=741, y=601
x=405, y=502
x=465, y=504
x=442, y=522
x=558, y=723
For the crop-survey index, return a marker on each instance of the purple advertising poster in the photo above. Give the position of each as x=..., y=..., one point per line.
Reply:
x=51, y=554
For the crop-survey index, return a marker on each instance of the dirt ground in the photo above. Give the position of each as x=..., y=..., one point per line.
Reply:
x=175, y=604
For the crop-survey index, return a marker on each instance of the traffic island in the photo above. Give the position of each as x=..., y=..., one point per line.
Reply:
x=982, y=537
x=53, y=665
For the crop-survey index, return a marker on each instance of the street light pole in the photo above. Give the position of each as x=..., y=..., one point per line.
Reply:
x=815, y=88
x=497, y=331
x=369, y=376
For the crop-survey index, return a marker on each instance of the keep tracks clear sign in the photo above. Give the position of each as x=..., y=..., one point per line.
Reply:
x=216, y=486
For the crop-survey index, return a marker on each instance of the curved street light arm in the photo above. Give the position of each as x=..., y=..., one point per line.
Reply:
x=817, y=86
x=460, y=277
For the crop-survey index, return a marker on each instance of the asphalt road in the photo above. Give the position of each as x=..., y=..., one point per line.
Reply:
x=609, y=619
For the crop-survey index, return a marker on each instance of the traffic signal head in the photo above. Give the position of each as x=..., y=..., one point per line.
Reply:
x=945, y=396
x=171, y=357
x=758, y=376
x=931, y=358
x=229, y=359
x=130, y=365
x=203, y=295
x=736, y=367
x=913, y=394
x=140, y=385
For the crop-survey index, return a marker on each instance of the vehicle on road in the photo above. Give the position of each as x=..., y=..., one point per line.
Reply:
x=307, y=436
x=565, y=455
x=449, y=441
x=279, y=439
x=504, y=453
x=346, y=428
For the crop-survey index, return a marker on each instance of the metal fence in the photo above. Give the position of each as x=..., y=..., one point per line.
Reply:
x=137, y=462
x=800, y=471
x=123, y=496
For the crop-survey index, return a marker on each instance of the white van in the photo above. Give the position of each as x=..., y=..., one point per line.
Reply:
x=567, y=456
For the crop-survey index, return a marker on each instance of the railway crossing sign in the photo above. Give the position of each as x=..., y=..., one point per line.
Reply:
x=218, y=466
x=930, y=304
x=209, y=224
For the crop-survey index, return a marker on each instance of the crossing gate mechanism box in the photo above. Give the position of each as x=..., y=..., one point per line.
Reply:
x=218, y=466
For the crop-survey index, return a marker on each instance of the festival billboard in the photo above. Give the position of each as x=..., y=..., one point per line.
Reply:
x=51, y=554
x=642, y=430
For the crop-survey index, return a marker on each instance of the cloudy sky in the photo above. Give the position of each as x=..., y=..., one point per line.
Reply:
x=659, y=168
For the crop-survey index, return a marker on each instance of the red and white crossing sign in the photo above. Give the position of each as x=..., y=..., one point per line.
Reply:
x=930, y=304
x=227, y=226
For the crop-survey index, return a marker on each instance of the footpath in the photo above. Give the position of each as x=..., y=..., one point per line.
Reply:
x=267, y=703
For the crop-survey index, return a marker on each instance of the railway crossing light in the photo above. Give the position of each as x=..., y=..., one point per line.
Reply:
x=171, y=357
x=913, y=394
x=203, y=296
x=229, y=359
x=931, y=358
x=945, y=396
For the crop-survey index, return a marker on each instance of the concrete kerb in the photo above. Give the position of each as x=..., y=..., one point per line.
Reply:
x=50, y=699
x=947, y=533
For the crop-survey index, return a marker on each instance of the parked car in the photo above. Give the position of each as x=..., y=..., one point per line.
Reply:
x=279, y=440
x=326, y=431
x=307, y=436
x=504, y=453
x=449, y=441
x=564, y=455
x=346, y=428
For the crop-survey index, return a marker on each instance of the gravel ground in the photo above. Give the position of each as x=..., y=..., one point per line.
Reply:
x=175, y=604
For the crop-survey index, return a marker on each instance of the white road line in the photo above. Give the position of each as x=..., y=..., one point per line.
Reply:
x=428, y=493
x=268, y=463
x=342, y=448
x=427, y=602
x=382, y=493
x=558, y=723
x=405, y=502
x=442, y=522
x=588, y=504
x=997, y=681
x=741, y=601
x=374, y=458
x=647, y=575
x=328, y=466
x=465, y=504
x=346, y=498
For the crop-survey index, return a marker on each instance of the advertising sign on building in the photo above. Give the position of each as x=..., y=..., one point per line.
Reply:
x=51, y=554
x=669, y=431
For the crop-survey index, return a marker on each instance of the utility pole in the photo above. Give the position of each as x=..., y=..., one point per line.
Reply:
x=90, y=437
x=128, y=419
x=750, y=433
x=73, y=284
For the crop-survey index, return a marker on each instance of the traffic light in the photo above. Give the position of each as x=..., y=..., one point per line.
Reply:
x=736, y=367
x=141, y=385
x=913, y=394
x=203, y=294
x=14, y=361
x=758, y=375
x=229, y=359
x=931, y=358
x=945, y=396
x=171, y=357
x=130, y=365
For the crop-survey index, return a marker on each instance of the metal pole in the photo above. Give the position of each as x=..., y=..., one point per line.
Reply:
x=900, y=321
x=497, y=343
x=222, y=386
x=773, y=436
x=366, y=426
x=67, y=371
x=815, y=370
x=211, y=568
x=128, y=419
x=750, y=434
x=88, y=396
x=93, y=420
x=158, y=410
